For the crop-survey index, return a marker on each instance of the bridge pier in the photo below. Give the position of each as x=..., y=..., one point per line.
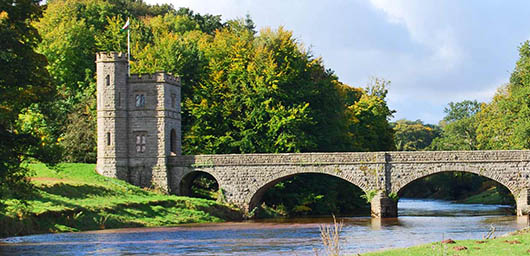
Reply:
x=521, y=201
x=383, y=206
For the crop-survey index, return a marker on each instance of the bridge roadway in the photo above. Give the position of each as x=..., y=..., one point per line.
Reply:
x=245, y=177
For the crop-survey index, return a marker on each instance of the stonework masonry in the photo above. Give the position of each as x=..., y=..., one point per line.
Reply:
x=138, y=120
x=244, y=178
x=139, y=141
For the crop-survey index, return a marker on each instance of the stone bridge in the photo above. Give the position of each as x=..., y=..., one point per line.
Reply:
x=139, y=140
x=245, y=177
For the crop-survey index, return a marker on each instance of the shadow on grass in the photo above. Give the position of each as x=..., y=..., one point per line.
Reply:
x=77, y=191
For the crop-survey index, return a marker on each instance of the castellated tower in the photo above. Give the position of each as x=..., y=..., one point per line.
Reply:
x=113, y=155
x=139, y=122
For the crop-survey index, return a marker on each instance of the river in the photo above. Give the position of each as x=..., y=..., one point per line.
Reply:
x=420, y=221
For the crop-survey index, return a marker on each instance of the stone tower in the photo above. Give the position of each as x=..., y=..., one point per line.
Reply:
x=139, y=122
x=113, y=155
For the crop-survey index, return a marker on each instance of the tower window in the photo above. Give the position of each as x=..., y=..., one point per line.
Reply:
x=140, y=143
x=173, y=100
x=140, y=100
x=108, y=138
x=107, y=80
x=173, y=141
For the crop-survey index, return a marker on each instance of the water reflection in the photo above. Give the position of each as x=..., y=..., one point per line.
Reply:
x=420, y=221
x=429, y=207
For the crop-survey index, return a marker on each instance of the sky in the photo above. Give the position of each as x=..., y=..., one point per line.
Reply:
x=432, y=52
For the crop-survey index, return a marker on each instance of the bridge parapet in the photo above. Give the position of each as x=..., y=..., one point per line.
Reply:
x=279, y=159
x=351, y=158
x=461, y=156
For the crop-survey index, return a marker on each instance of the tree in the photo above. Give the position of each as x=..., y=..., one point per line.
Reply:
x=459, y=127
x=80, y=136
x=73, y=31
x=207, y=23
x=24, y=81
x=241, y=91
x=69, y=30
x=369, y=119
x=414, y=135
x=505, y=122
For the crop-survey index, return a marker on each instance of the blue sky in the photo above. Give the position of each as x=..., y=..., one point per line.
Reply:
x=433, y=52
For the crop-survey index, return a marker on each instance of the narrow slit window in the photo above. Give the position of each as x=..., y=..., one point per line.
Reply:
x=119, y=99
x=173, y=100
x=108, y=138
x=107, y=80
x=173, y=141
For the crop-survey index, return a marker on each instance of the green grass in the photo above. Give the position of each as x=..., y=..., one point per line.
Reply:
x=73, y=197
x=515, y=244
x=489, y=196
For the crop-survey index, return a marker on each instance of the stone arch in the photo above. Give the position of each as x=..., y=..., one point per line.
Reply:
x=187, y=181
x=254, y=197
x=420, y=175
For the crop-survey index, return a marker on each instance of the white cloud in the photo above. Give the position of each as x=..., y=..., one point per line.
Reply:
x=426, y=26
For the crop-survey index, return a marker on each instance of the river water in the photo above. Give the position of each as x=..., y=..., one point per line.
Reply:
x=420, y=221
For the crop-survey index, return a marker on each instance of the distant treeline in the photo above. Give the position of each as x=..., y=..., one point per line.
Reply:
x=502, y=124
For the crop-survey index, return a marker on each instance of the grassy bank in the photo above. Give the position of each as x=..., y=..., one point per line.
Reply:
x=490, y=196
x=76, y=198
x=517, y=243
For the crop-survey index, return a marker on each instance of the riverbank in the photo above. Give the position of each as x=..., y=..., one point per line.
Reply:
x=75, y=198
x=491, y=195
x=516, y=243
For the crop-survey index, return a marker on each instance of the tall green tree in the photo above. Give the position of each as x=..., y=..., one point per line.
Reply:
x=459, y=127
x=24, y=81
x=370, y=119
x=69, y=30
x=414, y=135
x=505, y=122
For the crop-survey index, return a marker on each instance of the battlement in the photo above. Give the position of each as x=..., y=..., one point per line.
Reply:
x=158, y=77
x=111, y=57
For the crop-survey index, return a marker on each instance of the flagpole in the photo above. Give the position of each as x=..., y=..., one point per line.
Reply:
x=128, y=52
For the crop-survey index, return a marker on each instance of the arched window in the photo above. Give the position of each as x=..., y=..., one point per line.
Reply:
x=173, y=141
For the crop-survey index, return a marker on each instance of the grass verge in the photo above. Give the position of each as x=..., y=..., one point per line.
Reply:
x=517, y=243
x=75, y=198
x=489, y=196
